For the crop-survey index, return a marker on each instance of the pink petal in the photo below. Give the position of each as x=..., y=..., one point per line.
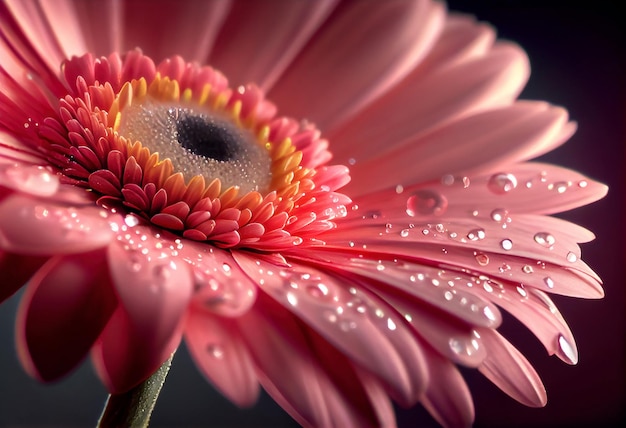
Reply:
x=108, y=35
x=65, y=308
x=354, y=321
x=480, y=142
x=16, y=269
x=490, y=81
x=266, y=36
x=221, y=356
x=510, y=371
x=33, y=23
x=288, y=359
x=65, y=23
x=154, y=285
x=462, y=39
x=38, y=227
x=178, y=23
x=34, y=180
x=448, y=399
x=457, y=341
x=221, y=287
x=352, y=68
x=435, y=284
x=125, y=356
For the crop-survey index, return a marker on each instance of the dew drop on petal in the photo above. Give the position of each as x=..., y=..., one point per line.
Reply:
x=582, y=184
x=571, y=257
x=506, y=244
x=482, y=259
x=549, y=282
x=500, y=215
x=426, y=202
x=527, y=269
x=567, y=349
x=215, y=351
x=404, y=233
x=544, y=239
x=476, y=234
x=559, y=187
x=502, y=183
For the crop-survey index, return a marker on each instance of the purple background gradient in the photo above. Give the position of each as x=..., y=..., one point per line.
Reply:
x=577, y=56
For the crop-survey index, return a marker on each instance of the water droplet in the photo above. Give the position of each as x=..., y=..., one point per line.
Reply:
x=482, y=259
x=215, y=351
x=317, y=290
x=559, y=186
x=522, y=292
x=544, y=239
x=571, y=257
x=351, y=161
x=391, y=325
x=131, y=220
x=568, y=350
x=466, y=182
x=527, y=269
x=426, y=202
x=582, y=184
x=347, y=325
x=502, y=183
x=500, y=215
x=506, y=244
x=549, y=282
x=448, y=295
x=404, y=233
x=399, y=189
x=447, y=180
x=489, y=313
x=476, y=234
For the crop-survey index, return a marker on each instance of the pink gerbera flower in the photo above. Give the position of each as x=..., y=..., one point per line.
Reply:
x=145, y=199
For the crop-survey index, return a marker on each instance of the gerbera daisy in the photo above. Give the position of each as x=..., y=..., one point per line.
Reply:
x=145, y=199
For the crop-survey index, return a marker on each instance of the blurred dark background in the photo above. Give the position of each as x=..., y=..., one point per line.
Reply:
x=577, y=58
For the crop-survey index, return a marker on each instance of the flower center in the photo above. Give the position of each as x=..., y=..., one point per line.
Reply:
x=174, y=145
x=200, y=143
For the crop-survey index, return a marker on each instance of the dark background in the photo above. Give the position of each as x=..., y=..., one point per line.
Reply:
x=577, y=59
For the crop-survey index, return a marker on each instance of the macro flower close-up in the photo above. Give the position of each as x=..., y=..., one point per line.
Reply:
x=332, y=201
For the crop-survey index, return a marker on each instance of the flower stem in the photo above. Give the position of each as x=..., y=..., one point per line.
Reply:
x=133, y=408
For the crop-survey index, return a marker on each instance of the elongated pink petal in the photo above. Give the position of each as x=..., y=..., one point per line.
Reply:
x=448, y=399
x=414, y=107
x=221, y=287
x=266, y=36
x=221, y=356
x=478, y=143
x=33, y=227
x=353, y=321
x=154, y=288
x=178, y=22
x=125, y=356
x=289, y=369
x=66, y=306
x=33, y=180
x=462, y=39
x=510, y=371
x=388, y=41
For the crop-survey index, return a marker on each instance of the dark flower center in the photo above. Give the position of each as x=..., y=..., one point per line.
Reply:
x=205, y=137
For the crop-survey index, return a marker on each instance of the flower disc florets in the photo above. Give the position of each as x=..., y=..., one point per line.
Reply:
x=175, y=145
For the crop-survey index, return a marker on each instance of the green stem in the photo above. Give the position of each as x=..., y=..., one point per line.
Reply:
x=133, y=408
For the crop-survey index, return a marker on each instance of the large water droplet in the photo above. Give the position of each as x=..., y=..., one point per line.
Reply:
x=502, y=183
x=426, y=202
x=506, y=244
x=549, y=282
x=571, y=257
x=567, y=350
x=544, y=239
